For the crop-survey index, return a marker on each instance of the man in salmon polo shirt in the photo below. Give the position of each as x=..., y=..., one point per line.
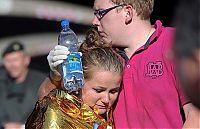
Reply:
x=151, y=96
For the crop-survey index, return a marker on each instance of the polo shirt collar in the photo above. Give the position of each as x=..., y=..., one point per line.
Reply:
x=158, y=29
x=153, y=38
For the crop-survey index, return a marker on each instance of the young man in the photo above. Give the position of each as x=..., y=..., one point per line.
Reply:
x=151, y=96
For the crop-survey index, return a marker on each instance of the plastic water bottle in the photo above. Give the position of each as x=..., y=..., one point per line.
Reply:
x=71, y=68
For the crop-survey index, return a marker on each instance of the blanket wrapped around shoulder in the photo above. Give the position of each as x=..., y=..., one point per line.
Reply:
x=59, y=110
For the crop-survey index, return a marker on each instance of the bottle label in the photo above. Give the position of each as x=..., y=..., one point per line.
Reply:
x=73, y=72
x=74, y=62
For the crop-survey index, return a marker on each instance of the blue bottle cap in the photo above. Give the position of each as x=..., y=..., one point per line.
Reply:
x=64, y=23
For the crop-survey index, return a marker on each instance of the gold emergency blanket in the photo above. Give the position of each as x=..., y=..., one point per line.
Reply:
x=59, y=110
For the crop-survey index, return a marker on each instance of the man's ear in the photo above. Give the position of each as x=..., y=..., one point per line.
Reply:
x=129, y=13
x=27, y=60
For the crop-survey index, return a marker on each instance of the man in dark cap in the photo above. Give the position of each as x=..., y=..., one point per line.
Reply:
x=18, y=86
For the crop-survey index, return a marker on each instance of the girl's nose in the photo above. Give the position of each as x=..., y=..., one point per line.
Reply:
x=106, y=99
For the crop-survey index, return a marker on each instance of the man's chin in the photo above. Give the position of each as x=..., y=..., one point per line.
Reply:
x=105, y=39
x=14, y=75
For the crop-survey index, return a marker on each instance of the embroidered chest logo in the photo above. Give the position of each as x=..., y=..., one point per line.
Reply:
x=154, y=69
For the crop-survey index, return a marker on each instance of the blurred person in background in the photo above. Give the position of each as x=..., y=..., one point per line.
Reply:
x=187, y=49
x=18, y=86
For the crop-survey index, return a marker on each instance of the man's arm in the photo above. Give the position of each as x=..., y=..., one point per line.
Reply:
x=45, y=88
x=192, y=115
x=55, y=57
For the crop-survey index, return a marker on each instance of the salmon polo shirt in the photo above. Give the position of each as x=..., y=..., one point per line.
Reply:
x=151, y=95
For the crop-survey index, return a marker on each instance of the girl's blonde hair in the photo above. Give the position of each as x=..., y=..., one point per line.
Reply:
x=98, y=55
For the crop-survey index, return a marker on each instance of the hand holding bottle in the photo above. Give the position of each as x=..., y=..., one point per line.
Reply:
x=57, y=56
x=71, y=68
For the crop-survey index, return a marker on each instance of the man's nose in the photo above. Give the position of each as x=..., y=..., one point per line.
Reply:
x=95, y=21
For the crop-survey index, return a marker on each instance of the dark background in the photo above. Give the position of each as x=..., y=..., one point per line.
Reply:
x=163, y=10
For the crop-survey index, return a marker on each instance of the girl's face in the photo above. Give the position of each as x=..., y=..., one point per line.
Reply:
x=101, y=91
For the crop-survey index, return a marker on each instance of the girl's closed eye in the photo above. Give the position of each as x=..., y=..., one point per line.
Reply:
x=98, y=90
x=113, y=91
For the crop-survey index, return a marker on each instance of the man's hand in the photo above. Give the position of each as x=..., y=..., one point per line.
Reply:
x=56, y=57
